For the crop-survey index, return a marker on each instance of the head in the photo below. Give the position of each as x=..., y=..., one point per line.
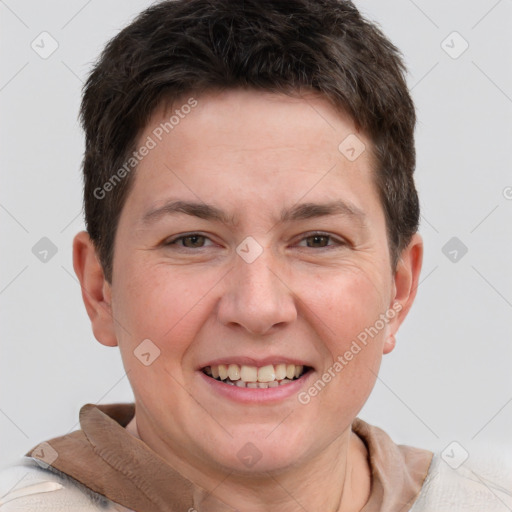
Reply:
x=289, y=126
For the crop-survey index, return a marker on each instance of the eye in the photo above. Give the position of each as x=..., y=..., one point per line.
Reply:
x=317, y=240
x=191, y=241
x=320, y=241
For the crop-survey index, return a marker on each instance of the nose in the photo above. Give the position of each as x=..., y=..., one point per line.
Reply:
x=257, y=297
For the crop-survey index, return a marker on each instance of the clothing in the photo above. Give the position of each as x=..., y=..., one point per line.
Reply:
x=104, y=468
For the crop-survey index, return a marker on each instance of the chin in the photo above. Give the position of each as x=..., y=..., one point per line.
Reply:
x=259, y=452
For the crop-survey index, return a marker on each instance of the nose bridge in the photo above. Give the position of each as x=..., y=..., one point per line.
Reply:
x=259, y=284
x=255, y=297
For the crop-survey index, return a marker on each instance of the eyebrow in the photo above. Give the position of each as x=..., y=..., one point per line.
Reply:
x=298, y=212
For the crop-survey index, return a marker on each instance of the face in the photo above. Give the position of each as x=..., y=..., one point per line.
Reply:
x=251, y=247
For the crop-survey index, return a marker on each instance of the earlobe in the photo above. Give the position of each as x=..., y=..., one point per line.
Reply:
x=96, y=291
x=406, y=281
x=389, y=345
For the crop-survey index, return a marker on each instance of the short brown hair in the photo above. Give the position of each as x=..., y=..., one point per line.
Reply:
x=179, y=47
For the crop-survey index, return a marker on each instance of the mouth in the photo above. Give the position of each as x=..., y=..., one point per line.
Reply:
x=262, y=377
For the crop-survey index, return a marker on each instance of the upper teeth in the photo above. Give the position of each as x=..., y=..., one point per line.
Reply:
x=245, y=373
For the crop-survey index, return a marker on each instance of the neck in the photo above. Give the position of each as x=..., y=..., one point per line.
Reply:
x=339, y=483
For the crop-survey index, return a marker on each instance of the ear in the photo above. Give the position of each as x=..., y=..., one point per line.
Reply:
x=405, y=285
x=96, y=291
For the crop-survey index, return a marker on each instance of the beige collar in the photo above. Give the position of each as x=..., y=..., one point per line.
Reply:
x=112, y=462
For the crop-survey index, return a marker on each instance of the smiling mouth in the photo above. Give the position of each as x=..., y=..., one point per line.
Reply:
x=269, y=376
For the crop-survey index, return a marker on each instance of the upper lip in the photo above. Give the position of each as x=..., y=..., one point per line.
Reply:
x=259, y=362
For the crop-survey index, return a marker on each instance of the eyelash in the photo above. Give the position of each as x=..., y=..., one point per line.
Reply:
x=337, y=241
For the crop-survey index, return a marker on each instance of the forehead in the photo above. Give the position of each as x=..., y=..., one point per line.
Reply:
x=252, y=145
x=248, y=117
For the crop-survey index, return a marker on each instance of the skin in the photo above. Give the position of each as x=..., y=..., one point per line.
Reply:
x=252, y=154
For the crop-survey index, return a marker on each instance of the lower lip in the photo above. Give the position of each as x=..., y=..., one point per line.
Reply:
x=257, y=395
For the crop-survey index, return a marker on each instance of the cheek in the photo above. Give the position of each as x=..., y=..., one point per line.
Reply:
x=347, y=301
x=348, y=312
x=156, y=303
x=165, y=307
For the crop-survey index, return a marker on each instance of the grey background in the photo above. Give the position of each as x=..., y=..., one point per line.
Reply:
x=450, y=376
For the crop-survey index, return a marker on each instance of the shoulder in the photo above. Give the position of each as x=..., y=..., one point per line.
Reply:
x=478, y=484
x=26, y=486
